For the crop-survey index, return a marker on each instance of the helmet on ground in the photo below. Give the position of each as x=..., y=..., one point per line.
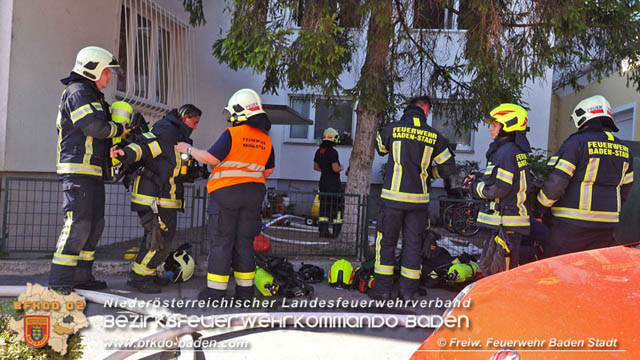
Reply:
x=341, y=273
x=121, y=112
x=591, y=108
x=330, y=134
x=244, y=104
x=264, y=282
x=512, y=117
x=131, y=253
x=179, y=265
x=460, y=273
x=91, y=60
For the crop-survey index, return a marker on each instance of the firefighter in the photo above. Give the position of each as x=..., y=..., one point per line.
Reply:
x=243, y=158
x=590, y=180
x=506, y=179
x=326, y=161
x=413, y=146
x=84, y=129
x=158, y=191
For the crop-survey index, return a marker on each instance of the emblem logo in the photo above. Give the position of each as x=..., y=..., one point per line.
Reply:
x=36, y=330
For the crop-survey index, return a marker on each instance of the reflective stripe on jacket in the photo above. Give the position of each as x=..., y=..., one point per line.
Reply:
x=83, y=125
x=160, y=178
x=592, y=173
x=505, y=183
x=413, y=147
x=246, y=160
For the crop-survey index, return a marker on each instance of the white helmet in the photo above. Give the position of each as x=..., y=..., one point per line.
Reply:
x=591, y=108
x=91, y=60
x=244, y=104
x=330, y=134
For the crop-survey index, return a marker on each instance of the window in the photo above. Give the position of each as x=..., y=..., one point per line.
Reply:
x=624, y=117
x=444, y=126
x=155, y=57
x=430, y=14
x=337, y=114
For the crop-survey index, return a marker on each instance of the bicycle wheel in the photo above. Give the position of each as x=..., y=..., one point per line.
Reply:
x=464, y=221
x=448, y=215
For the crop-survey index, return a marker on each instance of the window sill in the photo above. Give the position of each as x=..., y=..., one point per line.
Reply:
x=464, y=151
x=310, y=143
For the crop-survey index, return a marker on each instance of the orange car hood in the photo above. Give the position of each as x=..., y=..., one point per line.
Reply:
x=582, y=296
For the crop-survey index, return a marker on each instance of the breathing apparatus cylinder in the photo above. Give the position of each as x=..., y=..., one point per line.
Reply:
x=264, y=282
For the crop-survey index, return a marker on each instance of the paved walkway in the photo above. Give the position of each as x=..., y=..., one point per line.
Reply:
x=309, y=343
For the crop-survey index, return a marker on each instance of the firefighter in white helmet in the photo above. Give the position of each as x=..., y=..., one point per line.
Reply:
x=84, y=132
x=327, y=162
x=591, y=177
x=243, y=158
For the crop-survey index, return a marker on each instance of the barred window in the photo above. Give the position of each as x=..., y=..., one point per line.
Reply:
x=155, y=55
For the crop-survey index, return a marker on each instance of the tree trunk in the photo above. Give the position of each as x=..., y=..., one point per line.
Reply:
x=372, y=88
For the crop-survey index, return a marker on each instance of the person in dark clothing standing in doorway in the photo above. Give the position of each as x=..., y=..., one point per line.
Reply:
x=326, y=161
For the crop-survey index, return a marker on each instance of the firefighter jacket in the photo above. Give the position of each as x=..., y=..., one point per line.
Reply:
x=325, y=156
x=591, y=177
x=504, y=184
x=159, y=176
x=246, y=161
x=84, y=126
x=413, y=146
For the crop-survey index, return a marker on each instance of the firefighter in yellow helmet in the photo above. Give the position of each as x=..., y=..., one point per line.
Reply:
x=84, y=131
x=591, y=177
x=505, y=180
x=243, y=158
x=327, y=163
x=158, y=191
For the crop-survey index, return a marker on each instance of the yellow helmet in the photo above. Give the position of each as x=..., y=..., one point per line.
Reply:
x=330, y=134
x=512, y=117
x=341, y=273
x=179, y=265
x=121, y=112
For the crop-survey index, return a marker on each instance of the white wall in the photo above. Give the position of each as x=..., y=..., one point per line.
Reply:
x=6, y=16
x=45, y=36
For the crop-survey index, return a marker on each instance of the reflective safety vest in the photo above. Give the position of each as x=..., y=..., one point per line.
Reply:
x=598, y=167
x=413, y=147
x=246, y=161
x=507, y=174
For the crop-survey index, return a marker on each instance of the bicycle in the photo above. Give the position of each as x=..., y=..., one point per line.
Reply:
x=460, y=216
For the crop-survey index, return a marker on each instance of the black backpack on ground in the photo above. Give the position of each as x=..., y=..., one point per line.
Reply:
x=291, y=283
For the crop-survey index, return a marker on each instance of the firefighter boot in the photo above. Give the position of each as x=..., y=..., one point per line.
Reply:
x=336, y=230
x=211, y=294
x=143, y=284
x=244, y=292
x=323, y=228
x=382, y=287
x=84, y=280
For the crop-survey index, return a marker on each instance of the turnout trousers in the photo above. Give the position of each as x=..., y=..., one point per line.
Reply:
x=156, y=243
x=565, y=237
x=233, y=222
x=83, y=208
x=413, y=224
